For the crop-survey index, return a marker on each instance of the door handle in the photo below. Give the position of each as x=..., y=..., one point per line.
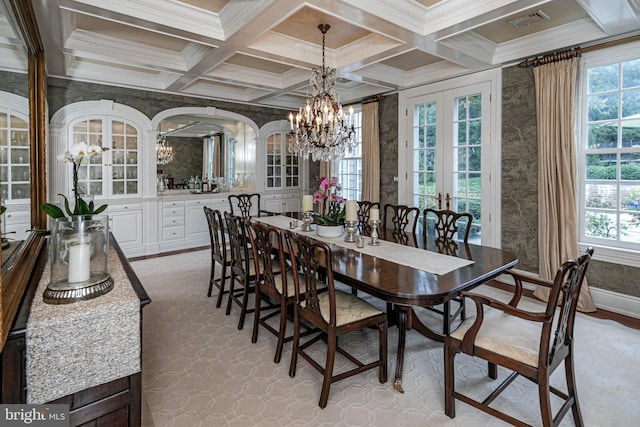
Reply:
x=439, y=201
x=448, y=200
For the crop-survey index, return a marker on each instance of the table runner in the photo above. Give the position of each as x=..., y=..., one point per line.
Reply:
x=71, y=347
x=420, y=259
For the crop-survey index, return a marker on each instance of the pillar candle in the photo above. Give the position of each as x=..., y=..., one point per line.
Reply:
x=351, y=211
x=374, y=215
x=79, y=262
x=307, y=203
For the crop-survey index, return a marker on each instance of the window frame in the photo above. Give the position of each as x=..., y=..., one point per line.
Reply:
x=339, y=164
x=625, y=253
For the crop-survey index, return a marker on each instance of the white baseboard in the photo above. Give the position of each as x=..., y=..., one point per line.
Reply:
x=616, y=302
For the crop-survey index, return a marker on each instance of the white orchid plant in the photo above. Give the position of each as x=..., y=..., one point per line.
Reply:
x=78, y=154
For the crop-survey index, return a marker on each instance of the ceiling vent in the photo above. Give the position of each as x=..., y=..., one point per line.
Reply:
x=529, y=19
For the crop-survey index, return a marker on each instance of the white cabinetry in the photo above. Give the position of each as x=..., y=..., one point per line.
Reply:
x=172, y=220
x=16, y=222
x=280, y=203
x=125, y=222
x=183, y=223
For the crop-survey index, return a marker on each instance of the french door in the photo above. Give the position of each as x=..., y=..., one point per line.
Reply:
x=448, y=154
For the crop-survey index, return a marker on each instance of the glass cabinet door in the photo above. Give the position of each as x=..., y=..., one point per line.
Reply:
x=283, y=168
x=115, y=172
x=14, y=158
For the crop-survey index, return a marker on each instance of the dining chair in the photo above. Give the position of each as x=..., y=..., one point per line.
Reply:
x=272, y=286
x=242, y=266
x=364, y=211
x=334, y=313
x=449, y=228
x=246, y=205
x=402, y=219
x=219, y=253
x=530, y=344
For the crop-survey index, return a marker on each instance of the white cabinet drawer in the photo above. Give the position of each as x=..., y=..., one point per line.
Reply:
x=124, y=208
x=173, y=233
x=190, y=204
x=173, y=204
x=169, y=221
x=173, y=212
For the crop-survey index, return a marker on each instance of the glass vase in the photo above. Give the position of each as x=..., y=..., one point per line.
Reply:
x=79, y=254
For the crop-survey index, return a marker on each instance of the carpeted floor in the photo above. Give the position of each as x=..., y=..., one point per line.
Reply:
x=199, y=370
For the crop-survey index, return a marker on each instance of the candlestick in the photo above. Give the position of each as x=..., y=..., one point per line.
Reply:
x=374, y=215
x=351, y=227
x=79, y=262
x=307, y=219
x=374, y=231
x=351, y=211
x=307, y=203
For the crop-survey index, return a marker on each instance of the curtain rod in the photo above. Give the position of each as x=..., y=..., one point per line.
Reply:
x=571, y=53
x=376, y=98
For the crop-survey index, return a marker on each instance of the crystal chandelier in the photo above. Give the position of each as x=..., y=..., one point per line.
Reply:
x=164, y=152
x=321, y=128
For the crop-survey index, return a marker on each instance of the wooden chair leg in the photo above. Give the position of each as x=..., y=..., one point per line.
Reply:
x=446, y=315
x=223, y=281
x=572, y=390
x=245, y=304
x=231, y=290
x=493, y=370
x=449, y=382
x=545, y=399
x=295, y=343
x=256, y=316
x=211, y=277
x=282, y=331
x=328, y=369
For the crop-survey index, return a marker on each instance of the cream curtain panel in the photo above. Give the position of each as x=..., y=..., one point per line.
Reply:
x=370, y=153
x=557, y=204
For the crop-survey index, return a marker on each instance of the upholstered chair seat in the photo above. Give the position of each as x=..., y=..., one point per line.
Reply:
x=503, y=334
x=349, y=308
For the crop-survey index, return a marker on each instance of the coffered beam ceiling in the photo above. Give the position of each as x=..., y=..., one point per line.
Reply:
x=261, y=51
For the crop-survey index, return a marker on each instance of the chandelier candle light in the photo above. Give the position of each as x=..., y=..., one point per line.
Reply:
x=321, y=127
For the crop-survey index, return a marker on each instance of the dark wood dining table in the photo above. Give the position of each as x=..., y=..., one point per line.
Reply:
x=406, y=287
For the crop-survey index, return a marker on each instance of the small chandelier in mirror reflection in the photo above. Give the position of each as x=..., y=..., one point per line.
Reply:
x=321, y=128
x=164, y=152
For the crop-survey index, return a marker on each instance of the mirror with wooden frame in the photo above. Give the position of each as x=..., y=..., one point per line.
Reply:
x=17, y=268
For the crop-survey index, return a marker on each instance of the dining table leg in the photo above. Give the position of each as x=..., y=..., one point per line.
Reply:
x=407, y=319
x=402, y=333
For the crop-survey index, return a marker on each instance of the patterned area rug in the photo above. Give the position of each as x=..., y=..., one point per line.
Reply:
x=200, y=370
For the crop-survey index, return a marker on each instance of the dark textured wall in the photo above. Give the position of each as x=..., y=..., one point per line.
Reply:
x=388, y=120
x=61, y=92
x=520, y=186
x=187, y=155
x=520, y=167
x=15, y=83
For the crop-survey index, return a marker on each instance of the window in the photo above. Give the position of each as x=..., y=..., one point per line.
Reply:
x=349, y=168
x=609, y=154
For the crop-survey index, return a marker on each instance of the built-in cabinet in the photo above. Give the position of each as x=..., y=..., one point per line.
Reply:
x=280, y=203
x=146, y=221
x=125, y=222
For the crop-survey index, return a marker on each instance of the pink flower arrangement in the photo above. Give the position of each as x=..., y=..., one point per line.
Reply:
x=330, y=202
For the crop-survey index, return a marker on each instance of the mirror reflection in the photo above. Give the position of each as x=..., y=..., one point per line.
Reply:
x=15, y=187
x=203, y=153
